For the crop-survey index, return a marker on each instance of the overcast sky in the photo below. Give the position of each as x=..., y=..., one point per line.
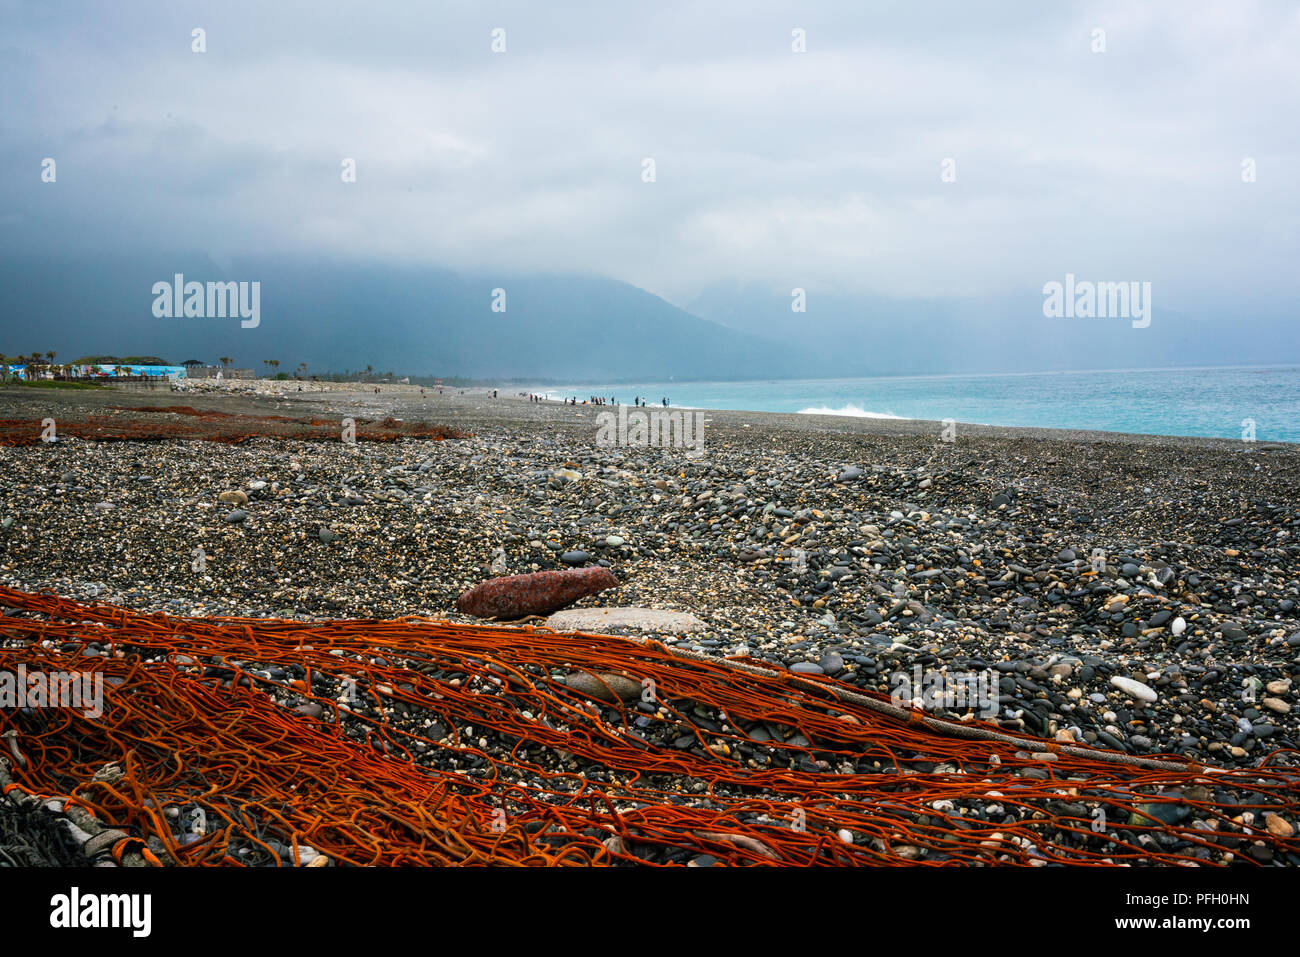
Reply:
x=820, y=169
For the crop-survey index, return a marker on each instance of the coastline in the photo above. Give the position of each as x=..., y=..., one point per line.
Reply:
x=477, y=405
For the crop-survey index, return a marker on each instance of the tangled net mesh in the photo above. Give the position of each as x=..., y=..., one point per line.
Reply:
x=202, y=715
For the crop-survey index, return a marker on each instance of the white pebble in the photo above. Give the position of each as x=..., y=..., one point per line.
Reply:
x=1135, y=688
x=846, y=836
x=1178, y=626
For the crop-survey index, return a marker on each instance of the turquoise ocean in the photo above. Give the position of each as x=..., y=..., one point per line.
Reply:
x=1218, y=402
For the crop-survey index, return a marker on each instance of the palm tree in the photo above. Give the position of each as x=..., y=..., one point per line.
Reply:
x=275, y=365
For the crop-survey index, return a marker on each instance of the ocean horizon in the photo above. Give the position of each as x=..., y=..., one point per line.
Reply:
x=1233, y=402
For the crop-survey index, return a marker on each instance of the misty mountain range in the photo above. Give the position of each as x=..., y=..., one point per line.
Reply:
x=423, y=321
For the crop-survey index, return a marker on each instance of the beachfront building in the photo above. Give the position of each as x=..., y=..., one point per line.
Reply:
x=218, y=372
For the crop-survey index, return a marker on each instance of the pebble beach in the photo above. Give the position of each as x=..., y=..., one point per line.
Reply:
x=1136, y=594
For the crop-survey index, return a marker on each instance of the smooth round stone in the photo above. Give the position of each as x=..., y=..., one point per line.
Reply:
x=1135, y=689
x=233, y=497
x=849, y=474
x=326, y=535
x=1178, y=626
x=578, y=557
x=1128, y=569
x=257, y=485
x=807, y=668
x=605, y=620
x=614, y=541
x=237, y=516
x=831, y=663
x=605, y=686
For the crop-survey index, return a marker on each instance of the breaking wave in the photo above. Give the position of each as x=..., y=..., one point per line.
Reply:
x=855, y=411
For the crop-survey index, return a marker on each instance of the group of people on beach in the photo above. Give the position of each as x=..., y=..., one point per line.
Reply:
x=638, y=401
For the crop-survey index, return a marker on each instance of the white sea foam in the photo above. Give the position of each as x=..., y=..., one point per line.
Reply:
x=855, y=411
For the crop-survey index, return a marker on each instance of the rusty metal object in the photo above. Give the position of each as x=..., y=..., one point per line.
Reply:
x=518, y=596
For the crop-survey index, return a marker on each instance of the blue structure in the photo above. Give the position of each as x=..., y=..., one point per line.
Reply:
x=109, y=370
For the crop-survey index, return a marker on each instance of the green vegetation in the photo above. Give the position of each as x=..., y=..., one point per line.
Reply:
x=116, y=360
